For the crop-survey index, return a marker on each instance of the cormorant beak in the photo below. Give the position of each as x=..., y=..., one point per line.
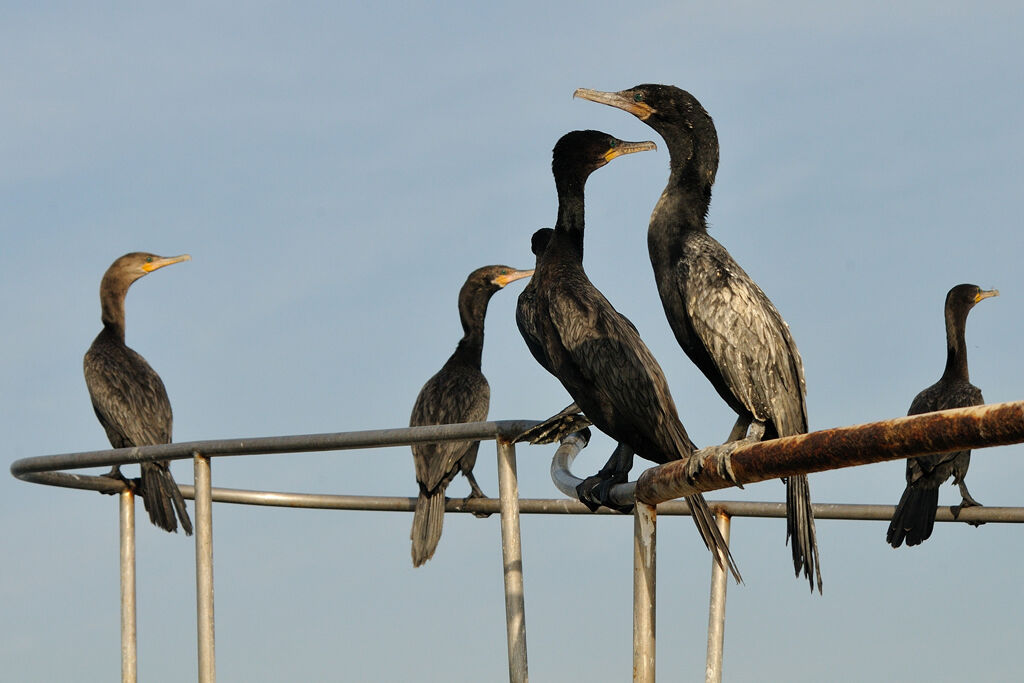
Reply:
x=511, y=276
x=161, y=262
x=985, y=293
x=628, y=148
x=620, y=100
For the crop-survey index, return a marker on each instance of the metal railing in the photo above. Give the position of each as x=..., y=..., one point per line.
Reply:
x=978, y=427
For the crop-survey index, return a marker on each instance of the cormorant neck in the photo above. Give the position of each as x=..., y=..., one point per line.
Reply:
x=472, y=311
x=570, y=212
x=112, y=294
x=956, y=345
x=684, y=203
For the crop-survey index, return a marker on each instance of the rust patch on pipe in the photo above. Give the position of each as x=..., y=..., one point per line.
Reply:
x=997, y=424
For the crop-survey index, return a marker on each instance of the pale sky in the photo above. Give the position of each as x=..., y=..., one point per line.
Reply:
x=336, y=172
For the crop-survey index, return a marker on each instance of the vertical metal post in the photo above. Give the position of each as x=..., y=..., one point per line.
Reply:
x=512, y=558
x=716, y=612
x=204, y=569
x=645, y=536
x=129, y=651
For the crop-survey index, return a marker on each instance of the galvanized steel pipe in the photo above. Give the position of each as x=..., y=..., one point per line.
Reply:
x=512, y=562
x=645, y=537
x=204, y=570
x=129, y=632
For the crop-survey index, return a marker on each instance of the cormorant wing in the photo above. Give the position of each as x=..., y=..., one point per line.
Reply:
x=748, y=341
x=129, y=399
x=618, y=369
x=449, y=397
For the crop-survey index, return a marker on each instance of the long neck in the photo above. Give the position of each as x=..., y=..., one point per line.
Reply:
x=112, y=293
x=570, y=222
x=471, y=347
x=956, y=345
x=684, y=203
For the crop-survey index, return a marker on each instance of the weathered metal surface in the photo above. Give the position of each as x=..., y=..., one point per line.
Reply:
x=204, y=570
x=645, y=531
x=304, y=443
x=716, y=611
x=949, y=430
x=512, y=561
x=129, y=631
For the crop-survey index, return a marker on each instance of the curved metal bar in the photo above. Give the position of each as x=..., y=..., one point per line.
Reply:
x=566, y=482
x=305, y=443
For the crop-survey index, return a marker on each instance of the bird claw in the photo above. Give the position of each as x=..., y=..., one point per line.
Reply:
x=967, y=502
x=719, y=460
x=595, y=491
x=477, y=494
x=115, y=474
x=557, y=428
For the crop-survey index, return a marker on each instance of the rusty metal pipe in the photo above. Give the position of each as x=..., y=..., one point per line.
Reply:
x=998, y=424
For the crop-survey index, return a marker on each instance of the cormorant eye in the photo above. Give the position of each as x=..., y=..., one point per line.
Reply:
x=638, y=97
x=613, y=144
x=149, y=259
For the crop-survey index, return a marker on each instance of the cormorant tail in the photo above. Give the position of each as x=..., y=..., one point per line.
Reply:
x=161, y=497
x=800, y=527
x=914, y=516
x=426, y=525
x=712, y=537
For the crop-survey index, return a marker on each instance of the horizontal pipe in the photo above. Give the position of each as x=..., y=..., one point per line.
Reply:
x=565, y=506
x=375, y=438
x=998, y=424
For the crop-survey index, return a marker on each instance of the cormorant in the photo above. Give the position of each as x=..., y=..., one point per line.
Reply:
x=721, y=318
x=569, y=420
x=915, y=513
x=128, y=396
x=594, y=351
x=457, y=393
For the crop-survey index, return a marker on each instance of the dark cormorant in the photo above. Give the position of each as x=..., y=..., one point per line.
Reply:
x=915, y=514
x=127, y=394
x=721, y=318
x=457, y=393
x=593, y=350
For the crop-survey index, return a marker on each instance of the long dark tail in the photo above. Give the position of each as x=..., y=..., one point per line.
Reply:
x=162, y=498
x=800, y=528
x=914, y=517
x=426, y=525
x=710, y=534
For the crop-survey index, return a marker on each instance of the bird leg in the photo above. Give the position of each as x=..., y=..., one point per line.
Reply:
x=739, y=430
x=557, y=427
x=967, y=502
x=475, y=492
x=115, y=473
x=745, y=432
x=595, y=491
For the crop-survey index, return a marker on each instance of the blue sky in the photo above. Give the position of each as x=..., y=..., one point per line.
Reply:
x=336, y=172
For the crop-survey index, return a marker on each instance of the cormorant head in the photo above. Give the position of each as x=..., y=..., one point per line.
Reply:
x=131, y=267
x=578, y=154
x=677, y=116
x=964, y=297
x=539, y=241
x=480, y=286
x=490, y=279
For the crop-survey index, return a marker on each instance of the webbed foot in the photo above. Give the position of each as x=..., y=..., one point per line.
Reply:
x=555, y=428
x=595, y=491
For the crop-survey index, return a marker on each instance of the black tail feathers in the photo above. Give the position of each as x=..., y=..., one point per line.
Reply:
x=914, y=517
x=427, y=523
x=710, y=534
x=162, y=498
x=800, y=528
